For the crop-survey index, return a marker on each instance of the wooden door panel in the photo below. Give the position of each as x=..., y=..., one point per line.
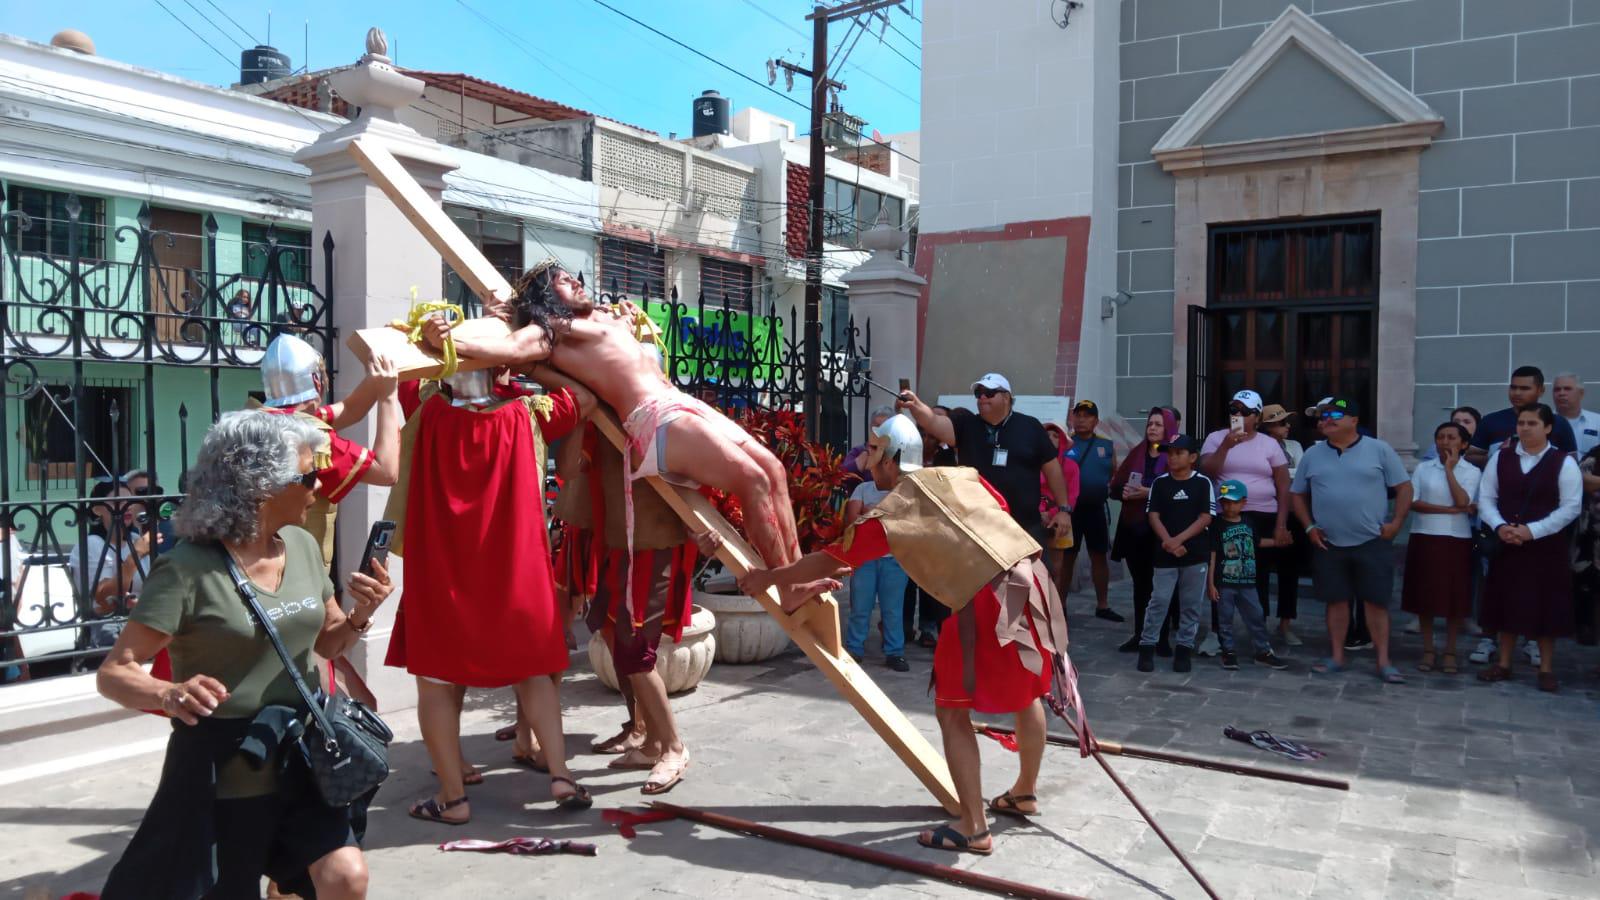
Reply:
x=175, y=290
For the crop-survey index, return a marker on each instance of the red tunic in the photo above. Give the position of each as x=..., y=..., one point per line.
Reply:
x=479, y=604
x=1003, y=683
x=348, y=460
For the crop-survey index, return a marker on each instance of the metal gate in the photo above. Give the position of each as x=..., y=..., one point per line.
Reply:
x=84, y=340
x=1200, y=372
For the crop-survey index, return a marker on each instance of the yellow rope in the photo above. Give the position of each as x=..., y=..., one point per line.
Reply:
x=412, y=326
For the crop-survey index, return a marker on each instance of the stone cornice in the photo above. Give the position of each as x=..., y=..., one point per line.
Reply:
x=1375, y=138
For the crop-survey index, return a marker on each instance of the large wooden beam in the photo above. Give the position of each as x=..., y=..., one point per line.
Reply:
x=814, y=628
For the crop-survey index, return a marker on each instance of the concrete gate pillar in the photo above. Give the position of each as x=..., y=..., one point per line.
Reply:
x=884, y=291
x=378, y=259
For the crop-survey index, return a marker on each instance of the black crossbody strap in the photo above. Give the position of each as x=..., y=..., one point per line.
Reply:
x=247, y=593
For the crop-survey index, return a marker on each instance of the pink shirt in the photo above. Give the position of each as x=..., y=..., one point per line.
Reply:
x=1252, y=463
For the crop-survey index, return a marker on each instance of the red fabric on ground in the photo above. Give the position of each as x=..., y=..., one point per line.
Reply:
x=479, y=604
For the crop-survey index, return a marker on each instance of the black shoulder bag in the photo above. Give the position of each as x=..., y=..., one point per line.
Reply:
x=348, y=752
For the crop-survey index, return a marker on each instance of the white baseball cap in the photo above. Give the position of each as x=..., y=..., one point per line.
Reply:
x=1248, y=399
x=994, y=381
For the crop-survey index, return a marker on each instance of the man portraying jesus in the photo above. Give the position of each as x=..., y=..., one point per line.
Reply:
x=953, y=534
x=670, y=434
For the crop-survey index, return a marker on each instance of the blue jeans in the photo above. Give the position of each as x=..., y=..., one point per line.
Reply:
x=880, y=582
x=1248, y=604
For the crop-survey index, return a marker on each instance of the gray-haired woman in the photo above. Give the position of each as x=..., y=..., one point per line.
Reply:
x=235, y=803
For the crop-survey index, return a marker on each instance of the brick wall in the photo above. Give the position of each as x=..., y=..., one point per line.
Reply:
x=797, y=228
x=1508, y=268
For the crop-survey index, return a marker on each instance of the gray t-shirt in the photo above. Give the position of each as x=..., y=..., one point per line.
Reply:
x=1349, y=489
x=869, y=494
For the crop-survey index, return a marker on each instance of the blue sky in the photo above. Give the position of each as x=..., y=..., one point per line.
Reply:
x=573, y=51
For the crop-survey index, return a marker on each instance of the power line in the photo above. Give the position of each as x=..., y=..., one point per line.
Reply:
x=225, y=35
x=518, y=43
x=198, y=37
x=702, y=55
x=853, y=67
x=896, y=29
x=235, y=22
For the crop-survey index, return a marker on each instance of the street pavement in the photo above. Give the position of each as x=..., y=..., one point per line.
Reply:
x=1457, y=789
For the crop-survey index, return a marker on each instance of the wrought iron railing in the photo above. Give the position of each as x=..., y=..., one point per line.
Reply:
x=61, y=316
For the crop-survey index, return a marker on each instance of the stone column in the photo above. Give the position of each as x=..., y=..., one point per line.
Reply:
x=884, y=292
x=378, y=259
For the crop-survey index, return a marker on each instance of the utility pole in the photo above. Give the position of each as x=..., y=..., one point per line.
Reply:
x=820, y=83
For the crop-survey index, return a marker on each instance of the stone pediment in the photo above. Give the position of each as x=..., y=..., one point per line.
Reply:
x=1297, y=92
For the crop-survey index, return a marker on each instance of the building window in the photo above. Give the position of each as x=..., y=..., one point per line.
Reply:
x=48, y=235
x=48, y=440
x=730, y=286
x=632, y=268
x=851, y=209
x=294, y=257
x=1299, y=261
x=836, y=319
x=499, y=237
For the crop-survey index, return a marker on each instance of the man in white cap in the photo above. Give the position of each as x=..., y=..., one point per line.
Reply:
x=1009, y=449
x=996, y=653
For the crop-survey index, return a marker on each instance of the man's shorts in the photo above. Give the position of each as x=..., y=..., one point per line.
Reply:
x=1091, y=526
x=1364, y=572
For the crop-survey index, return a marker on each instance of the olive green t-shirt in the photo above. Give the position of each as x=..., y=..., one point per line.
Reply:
x=190, y=596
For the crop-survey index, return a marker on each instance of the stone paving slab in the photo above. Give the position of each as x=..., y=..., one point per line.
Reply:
x=1457, y=790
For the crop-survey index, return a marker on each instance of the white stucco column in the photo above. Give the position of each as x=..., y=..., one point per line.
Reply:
x=378, y=258
x=884, y=292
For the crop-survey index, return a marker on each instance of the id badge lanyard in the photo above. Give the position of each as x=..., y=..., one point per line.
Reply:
x=1000, y=453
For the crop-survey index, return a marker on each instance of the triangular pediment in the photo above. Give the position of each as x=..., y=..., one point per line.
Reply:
x=1296, y=80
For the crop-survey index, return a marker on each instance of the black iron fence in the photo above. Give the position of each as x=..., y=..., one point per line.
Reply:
x=92, y=455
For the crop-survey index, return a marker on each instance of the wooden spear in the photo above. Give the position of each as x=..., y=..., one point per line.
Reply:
x=1184, y=759
x=863, y=854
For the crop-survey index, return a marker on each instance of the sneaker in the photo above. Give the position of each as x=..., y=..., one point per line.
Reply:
x=1290, y=639
x=1131, y=645
x=1270, y=660
x=1109, y=614
x=1531, y=651
x=1358, y=644
x=1147, y=659
x=1481, y=653
x=1230, y=661
x=1210, y=646
x=1180, y=659
x=897, y=663
x=1164, y=649
x=1414, y=626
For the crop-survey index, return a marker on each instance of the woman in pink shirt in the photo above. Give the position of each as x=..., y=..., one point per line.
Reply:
x=1047, y=504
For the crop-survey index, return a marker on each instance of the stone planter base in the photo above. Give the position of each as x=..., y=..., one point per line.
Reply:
x=745, y=632
x=682, y=664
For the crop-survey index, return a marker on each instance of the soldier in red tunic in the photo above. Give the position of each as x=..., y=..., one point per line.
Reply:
x=954, y=536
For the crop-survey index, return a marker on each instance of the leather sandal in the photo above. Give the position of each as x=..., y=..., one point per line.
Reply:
x=634, y=759
x=946, y=838
x=666, y=774
x=1494, y=673
x=618, y=743
x=1548, y=683
x=579, y=799
x=1448, y=666
x=1426, y=665
x=530, y=761
x=1009, y=804
x=431, y=810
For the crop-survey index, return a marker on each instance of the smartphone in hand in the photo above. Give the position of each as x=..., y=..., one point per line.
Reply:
x=377, y=546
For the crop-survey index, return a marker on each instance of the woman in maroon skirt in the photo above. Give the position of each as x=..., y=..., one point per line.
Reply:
x=1529, y=495
x=1438, y=580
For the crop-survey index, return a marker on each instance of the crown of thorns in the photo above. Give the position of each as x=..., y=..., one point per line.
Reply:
x=541, y=268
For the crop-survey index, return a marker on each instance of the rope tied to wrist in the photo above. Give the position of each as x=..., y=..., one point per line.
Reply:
x=420, y=313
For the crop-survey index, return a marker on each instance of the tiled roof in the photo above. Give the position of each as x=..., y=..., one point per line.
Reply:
x=500, y=95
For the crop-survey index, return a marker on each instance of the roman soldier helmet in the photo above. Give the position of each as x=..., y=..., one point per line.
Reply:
x=897, y=435
x=476, y=386
x=292, y=371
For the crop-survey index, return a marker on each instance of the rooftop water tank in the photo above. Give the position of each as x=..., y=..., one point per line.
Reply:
x=710, y=114
x=262, y=63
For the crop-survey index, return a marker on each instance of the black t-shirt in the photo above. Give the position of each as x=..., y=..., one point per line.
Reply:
x=1025, y=448
x=1179, y=504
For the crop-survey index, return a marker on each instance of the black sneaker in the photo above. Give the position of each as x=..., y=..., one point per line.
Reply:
x=1109, y=614
x=1230, y=660
x=1270, y=660
x=1180, y=659
x=1131, y=645
x=1147, y=659
x=1164, y=649
x=898, y=664
x=1358, y=645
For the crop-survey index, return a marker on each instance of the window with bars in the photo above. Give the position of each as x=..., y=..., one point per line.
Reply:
x=499, y=237
x=851, y=209
x=49, y=443
x=727, y=285
x=1330, y=260
x=294, y=259
x=48, y=234
x=633, y=268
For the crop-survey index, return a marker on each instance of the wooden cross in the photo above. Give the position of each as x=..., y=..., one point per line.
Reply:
x=814, y=627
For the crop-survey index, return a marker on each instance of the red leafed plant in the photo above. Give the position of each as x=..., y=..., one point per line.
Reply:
x=816, y=473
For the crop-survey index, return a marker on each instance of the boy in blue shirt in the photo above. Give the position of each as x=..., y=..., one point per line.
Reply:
x=1233, y=578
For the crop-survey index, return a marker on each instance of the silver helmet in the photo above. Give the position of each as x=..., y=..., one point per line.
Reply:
x=898, y=435
x=474, y=387
x=292, y=371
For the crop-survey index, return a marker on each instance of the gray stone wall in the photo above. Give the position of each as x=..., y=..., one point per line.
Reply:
x=1508, y=269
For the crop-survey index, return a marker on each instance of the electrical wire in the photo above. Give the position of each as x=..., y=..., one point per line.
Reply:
x=520, y=45
x=853, y=67
x=187, y=27
x=225, y=35
x=252, y=38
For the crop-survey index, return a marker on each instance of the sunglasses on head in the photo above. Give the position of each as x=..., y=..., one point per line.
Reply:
x=1332, y=415
x=307, y=480
x=986, y=393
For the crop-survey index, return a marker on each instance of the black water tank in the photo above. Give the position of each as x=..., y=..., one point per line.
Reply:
x=710, y=114
x=262, y=63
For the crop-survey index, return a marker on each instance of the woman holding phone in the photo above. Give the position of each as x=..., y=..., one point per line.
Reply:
x=1135, y=543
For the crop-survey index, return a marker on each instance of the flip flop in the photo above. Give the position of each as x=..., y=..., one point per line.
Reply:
x=1391, y=675
x=431, y=810
x=1327, y=667
x=528, y=761
x=508, y=733
x=668, y=778
x=578, y=800
x=634, y=759
x=1007, y=805
x=946, y=838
